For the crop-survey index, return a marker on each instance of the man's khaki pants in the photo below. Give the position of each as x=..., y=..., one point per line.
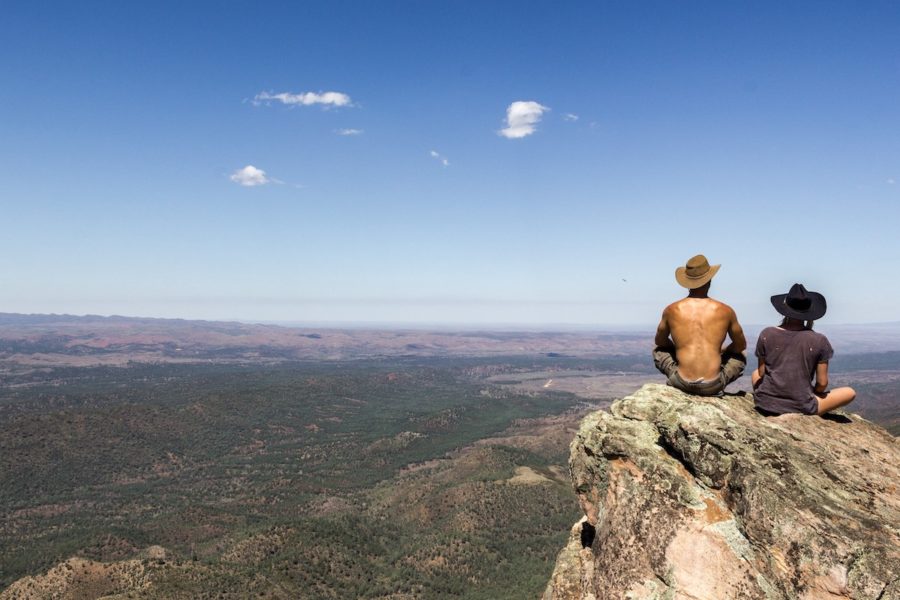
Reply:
x=732, y=367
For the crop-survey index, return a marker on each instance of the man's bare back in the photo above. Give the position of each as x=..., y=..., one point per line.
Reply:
x=696, y=326
x=690, y=334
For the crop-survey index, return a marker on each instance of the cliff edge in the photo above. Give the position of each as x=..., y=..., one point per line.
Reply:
x=703, y=498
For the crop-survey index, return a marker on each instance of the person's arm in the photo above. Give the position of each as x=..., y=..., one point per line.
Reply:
x=663, y=332
x=761, y=369
x=736, y=333
x=821, y=378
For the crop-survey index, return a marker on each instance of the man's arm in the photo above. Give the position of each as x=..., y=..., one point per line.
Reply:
x=663, y=332
x=736, y=333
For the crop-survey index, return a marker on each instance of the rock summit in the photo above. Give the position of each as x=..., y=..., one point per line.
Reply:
x=687, y=497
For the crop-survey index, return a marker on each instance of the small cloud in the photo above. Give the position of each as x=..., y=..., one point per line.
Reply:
x=348, y=131
x=440, y=157
x=891, y=180
x=250, y=176
x=570, y=117
x=521, y=118
x=327, y=99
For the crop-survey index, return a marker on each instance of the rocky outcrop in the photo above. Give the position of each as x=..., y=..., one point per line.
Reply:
x=703, y=498
x=80, y=579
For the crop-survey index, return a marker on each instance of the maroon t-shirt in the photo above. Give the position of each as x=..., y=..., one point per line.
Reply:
x=790, y=358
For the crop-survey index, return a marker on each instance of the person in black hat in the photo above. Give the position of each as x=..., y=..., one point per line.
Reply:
x=792, y=355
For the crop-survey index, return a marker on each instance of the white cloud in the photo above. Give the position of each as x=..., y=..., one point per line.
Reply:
x=440, y=157
x=521, y=118
x=891, y=180
x=304, y=99
x=250, y=176
x=570, y=117
x=348, y=131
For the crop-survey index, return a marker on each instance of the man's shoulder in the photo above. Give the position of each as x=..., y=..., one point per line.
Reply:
x=723, y=308
x=720, y=303
x=714, y=304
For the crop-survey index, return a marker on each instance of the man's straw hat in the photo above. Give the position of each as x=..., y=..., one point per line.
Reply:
x=696, y=272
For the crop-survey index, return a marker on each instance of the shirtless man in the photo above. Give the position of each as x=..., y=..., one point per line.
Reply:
x=690, y=335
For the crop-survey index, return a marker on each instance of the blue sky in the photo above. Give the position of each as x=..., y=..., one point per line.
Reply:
x=764, y=135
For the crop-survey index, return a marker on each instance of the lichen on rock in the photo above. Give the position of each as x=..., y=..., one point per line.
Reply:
x=704, y=498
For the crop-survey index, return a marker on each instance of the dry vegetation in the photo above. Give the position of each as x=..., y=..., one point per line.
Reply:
x=227, y=468
x=310, y=480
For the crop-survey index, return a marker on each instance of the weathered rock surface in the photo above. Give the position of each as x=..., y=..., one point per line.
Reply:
x=703, y=498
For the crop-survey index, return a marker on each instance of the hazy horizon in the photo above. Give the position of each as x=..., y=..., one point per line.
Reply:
x=548, y=327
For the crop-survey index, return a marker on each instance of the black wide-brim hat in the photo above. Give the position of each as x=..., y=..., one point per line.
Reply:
x=800, y=304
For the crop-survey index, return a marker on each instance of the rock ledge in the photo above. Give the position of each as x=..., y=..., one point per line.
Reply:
x=702, y=498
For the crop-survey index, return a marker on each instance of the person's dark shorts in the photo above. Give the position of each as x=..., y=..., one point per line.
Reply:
x=809, y=406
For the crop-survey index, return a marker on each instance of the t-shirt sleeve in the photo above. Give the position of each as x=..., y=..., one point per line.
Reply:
x=761, y=346
x=825, y=350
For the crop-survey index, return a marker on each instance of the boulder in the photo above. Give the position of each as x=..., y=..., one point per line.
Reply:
x=688, y=497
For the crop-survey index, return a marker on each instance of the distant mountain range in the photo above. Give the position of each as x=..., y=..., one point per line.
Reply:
x=56, y=340
x=84, y=340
